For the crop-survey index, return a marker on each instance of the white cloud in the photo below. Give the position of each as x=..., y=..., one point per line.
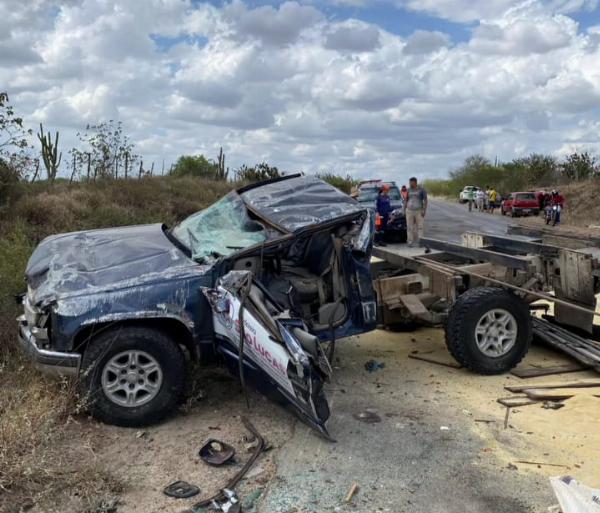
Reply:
x=288, y=85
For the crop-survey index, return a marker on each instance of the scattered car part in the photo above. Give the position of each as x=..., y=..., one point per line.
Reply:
x=221, y=496
x=231, y=504
x=374, y=365
x=181, y=490
x=368, y=416
x=214, y=452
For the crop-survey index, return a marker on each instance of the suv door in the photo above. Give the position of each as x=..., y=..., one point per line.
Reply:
x=272, y=350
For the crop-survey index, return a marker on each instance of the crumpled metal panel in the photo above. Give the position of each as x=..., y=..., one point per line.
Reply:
x=299, y=202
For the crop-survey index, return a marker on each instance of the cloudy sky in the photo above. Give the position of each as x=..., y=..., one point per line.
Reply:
x=376, y=88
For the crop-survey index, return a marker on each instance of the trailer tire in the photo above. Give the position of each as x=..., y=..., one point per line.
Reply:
x=489, y=330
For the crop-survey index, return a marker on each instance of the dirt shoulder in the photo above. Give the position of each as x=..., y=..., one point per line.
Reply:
x=437, y=422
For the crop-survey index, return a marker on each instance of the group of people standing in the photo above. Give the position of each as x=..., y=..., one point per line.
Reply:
x=485, y=200
x=414, y=200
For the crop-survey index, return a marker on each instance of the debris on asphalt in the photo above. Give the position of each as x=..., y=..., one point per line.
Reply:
x=367, y=416
x=374, y=365
x=506, y=417
x=352, y=492
x=552, y=405
x=444, y=428
x=452, y=365
x=541, y=464
x=222, y=495
x=181, y=490
x=214, y=452
x=574, y=497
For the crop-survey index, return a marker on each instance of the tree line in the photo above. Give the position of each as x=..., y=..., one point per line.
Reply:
x=105, y=151
x=520, y=174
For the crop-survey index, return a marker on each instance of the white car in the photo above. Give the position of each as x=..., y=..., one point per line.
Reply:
x=463, y=197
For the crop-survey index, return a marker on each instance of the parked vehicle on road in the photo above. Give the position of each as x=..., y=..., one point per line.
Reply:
x=123, y=309
x=366, y=194
x=464, y=195
x=520, y=204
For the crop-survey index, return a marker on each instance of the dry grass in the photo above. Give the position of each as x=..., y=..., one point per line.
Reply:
x=41, y=466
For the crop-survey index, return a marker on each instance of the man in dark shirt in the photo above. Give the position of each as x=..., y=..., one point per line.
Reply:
x=384, y=207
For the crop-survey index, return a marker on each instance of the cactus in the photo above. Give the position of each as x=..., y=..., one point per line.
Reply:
x=220, y=172
x=50, y=154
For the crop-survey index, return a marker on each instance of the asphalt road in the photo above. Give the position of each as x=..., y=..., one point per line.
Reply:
x=424, y=455
x=448, y=221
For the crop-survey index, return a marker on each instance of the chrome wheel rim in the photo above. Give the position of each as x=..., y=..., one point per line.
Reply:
x=496, y=333
x=131, y=378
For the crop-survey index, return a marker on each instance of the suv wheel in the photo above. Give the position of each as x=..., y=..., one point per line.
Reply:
x=489, y=330
x=133, y=376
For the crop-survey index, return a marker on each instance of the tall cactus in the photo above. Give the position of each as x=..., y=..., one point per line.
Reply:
x=220, y=172
x=50, y=153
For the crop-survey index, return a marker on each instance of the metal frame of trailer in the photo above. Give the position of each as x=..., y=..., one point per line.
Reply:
x=424, y=287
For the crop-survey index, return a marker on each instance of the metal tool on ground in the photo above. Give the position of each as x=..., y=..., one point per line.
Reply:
x=216, y=453
x=221, y=495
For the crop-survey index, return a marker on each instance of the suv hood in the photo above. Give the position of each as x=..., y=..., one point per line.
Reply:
x=99, y=260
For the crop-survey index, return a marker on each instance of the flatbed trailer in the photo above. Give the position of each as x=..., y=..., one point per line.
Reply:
x=483, y=292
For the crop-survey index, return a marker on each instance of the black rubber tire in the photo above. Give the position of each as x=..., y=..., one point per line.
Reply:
x=156, y=343
x=463, y=318
x=513, y=213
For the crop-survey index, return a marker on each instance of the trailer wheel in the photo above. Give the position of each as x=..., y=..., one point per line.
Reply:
x=489, y=330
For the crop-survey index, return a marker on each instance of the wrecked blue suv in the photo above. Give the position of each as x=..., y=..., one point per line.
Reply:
x=267, y=276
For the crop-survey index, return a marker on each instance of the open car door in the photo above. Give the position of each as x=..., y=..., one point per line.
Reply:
x=269, y=347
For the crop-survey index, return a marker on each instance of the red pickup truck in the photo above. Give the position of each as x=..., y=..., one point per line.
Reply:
x=520, y=204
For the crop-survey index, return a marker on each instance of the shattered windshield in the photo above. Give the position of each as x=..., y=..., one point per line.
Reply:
x=220, y=230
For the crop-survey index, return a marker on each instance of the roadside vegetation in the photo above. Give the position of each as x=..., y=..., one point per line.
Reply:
x=528, y=173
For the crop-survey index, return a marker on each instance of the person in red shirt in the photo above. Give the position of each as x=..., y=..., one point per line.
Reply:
x=557, y=199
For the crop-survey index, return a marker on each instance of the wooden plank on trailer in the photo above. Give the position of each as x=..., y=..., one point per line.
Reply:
x=577, y=285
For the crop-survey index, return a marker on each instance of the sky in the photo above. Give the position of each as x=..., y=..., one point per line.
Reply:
x=374, y=88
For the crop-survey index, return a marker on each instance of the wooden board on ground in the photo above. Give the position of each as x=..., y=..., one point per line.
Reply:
x=555, y=394
x=514, y=402
x=548, y=371
x=582, y=383
x=428, y=359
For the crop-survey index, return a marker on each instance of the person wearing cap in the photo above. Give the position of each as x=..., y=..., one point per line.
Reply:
x=415, y=209
x=384, y=206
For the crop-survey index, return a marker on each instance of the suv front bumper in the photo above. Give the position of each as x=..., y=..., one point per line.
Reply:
x=52, y=362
